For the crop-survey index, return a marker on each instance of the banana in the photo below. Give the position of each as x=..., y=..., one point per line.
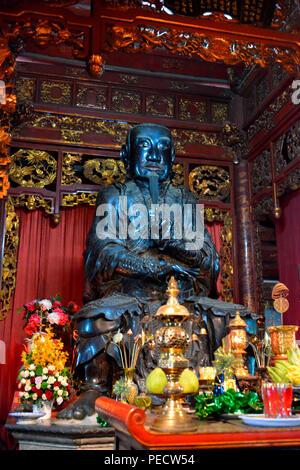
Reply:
x=293, y=357
x=275, y=376
x=283, y=364
x=287, y=371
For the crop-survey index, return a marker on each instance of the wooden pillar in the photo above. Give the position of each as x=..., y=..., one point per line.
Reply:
x=245, y=239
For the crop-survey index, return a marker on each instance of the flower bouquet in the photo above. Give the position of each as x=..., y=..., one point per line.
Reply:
x=44, y=375
x=40, y=314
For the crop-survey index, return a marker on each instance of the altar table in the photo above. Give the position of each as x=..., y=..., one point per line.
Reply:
x=132, y=432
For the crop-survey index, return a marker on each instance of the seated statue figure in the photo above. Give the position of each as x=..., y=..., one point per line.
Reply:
x=128, y=266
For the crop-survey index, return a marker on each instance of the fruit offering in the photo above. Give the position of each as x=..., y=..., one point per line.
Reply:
x=156, y=381
x=287, y=371
x=189, y=381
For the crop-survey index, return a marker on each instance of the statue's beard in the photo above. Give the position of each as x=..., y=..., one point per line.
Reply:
x=154, y=188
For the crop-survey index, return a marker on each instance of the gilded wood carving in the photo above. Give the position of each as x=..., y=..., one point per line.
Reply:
x=32, y=168
x=9, y=268
x=210, y=182
x=145, y=38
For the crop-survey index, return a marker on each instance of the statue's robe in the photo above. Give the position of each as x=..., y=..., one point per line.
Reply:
x=124, y=272
x=139, y=257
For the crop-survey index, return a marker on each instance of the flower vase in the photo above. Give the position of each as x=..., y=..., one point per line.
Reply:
x=132, y=389
x=46, y=407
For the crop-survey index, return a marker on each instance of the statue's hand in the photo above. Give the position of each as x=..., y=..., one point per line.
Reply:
x=185, y=273
x=168, y=270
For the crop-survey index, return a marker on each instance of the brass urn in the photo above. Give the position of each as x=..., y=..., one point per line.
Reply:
x=283, y=337
x=173, y=340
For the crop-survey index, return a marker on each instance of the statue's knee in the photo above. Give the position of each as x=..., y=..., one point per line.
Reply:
x=90, y=327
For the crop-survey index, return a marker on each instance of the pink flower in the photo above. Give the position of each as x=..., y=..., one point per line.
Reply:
x=38, y=380
x=58, y=310
x=63, y=318
x=35, y=319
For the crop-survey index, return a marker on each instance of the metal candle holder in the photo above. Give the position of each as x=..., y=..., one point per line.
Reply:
x=172, y=340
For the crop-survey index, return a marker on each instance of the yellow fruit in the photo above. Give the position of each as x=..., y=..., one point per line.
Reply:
x=189, y=381
x=156, y=381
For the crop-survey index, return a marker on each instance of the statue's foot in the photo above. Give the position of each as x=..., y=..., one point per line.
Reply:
x=81, y=408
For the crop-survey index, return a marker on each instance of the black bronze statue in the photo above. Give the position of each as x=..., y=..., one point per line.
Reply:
x=128, y=265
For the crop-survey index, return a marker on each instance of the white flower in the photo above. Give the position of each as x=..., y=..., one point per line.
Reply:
x=60, y=378
x=27, y=388
x=23, y=381
x=38, y=386
x=53, y=318
x=117, y=338
x=25, y=373
x=45, y=370
x=56, y=388
x=44, y=397
x=51, y=380
x=51, y=367
x=57, y=374
x=34, y=396
x=47, y=304
x=26, y=395
x=32, y=367
x=59, y=393
x=32, y=374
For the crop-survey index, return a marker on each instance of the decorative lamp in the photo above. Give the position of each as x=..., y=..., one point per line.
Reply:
x=238, y=343
x=172, y=340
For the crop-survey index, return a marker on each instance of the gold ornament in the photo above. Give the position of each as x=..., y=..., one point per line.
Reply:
x=173, y=340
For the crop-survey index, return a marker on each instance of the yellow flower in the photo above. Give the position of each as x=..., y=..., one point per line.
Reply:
x=45, y=351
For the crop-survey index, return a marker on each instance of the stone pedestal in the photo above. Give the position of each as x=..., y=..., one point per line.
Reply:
x=62, y=434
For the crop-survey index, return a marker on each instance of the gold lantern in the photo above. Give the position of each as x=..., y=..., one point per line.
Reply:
x=173, y=340
x=238, y=343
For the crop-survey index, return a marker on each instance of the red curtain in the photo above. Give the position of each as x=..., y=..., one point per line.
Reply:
x=288, y=246
x=49, y=262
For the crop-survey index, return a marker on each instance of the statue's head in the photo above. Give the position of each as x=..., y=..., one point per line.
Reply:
x=148, y=151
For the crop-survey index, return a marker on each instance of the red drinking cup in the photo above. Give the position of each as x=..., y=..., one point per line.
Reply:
x=271, y=400
x=285, y=393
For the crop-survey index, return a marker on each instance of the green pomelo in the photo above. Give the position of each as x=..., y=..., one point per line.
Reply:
x=189, y=381
x=156, y=381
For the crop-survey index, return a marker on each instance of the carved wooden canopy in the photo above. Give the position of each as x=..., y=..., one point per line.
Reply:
x=96, y=31
x=245, y=11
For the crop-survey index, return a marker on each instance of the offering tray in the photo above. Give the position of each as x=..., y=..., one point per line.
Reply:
x=261, y=420
x=26, y=416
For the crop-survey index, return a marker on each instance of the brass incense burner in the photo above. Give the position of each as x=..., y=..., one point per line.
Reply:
x=173, y=340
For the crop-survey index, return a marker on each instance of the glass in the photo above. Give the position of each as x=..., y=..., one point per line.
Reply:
x=285, y=394
x=277, y=399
